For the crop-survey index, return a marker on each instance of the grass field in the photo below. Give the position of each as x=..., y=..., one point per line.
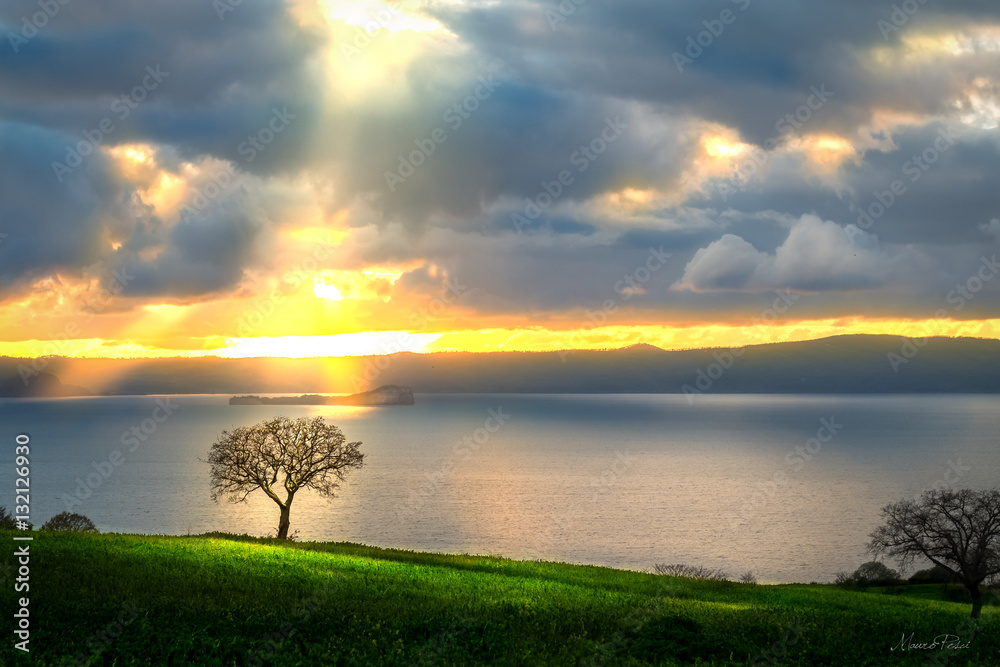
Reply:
x=234, y=600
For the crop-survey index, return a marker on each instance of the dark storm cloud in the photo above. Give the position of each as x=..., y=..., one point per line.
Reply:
x=755, y=71
x=66, y=229
x=507, y=145
x=218, y=83
x=535, y=102
x=944, y=191
x=49, y=227
x=169, y=74
x=205, y=254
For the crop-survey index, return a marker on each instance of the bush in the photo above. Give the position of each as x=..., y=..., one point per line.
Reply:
x=932, y=575
x=70, y=521
x=691, y=572
x=872, y=573
x=843, y=579
x=748, y=578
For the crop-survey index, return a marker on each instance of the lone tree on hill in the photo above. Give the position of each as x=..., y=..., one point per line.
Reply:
x=281, y=456
x=956, y=530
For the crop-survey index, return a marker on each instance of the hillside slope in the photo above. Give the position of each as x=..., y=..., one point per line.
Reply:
x=225, y=600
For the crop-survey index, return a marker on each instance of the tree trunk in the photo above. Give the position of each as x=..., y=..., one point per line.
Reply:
x=977, y=600
x=283, y=522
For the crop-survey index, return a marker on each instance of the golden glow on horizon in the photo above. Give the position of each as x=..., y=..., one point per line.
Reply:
x=340, y=345
x=526, y=339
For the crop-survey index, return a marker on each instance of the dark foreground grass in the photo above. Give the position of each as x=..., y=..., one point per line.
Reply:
x=226, y=600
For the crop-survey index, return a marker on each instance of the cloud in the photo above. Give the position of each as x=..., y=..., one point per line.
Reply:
x=533, y=102
x=816, y=256
x=51, y=228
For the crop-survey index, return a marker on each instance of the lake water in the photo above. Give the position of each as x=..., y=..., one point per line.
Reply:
x=619, y=480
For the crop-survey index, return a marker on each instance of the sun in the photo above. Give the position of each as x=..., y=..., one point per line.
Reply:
x=324, y=290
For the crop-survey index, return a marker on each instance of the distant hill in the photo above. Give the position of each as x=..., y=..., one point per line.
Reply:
x=40, y=385
x=839, y=364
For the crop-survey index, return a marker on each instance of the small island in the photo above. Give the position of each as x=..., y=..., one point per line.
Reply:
x=387, y=395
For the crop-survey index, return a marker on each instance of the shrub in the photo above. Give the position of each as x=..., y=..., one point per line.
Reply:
x=843, y=579
x=932, y=575
x=691, y=572
x=872, y=573
x=748, y=578
x=70, y=521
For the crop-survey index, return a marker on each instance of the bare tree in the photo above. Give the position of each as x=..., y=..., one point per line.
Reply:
x=281, y=457
x=956, y=530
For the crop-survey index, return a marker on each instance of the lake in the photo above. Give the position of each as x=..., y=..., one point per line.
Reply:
x=785, y=486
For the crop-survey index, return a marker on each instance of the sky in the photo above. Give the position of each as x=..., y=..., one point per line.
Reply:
x=319, y=178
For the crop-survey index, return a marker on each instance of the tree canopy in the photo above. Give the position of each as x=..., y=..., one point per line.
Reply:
x=958, y=531
x=280, y=457
x=70, y=521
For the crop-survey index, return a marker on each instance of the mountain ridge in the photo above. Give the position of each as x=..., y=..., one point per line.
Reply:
x=848, y=363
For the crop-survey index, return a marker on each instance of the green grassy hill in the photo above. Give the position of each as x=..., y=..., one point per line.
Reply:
x=225, y=600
